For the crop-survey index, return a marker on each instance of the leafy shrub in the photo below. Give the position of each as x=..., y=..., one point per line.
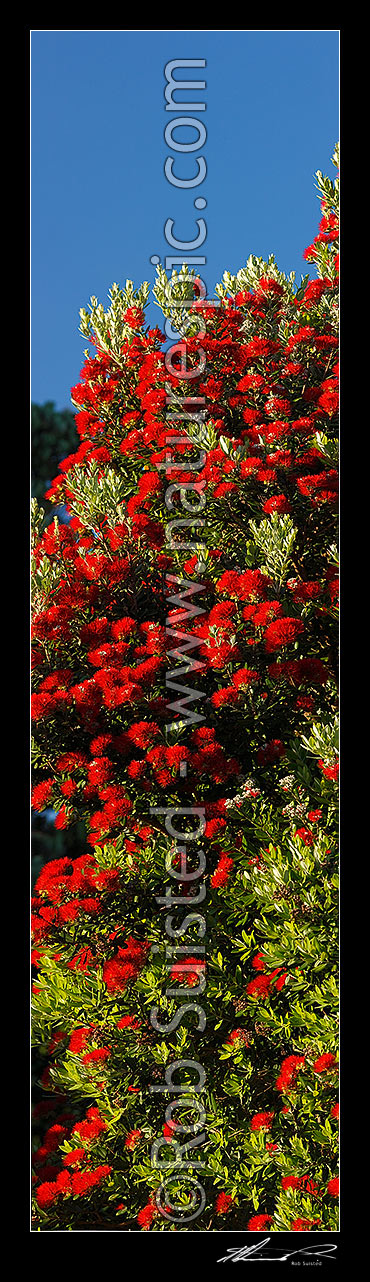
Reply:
x=192, y=667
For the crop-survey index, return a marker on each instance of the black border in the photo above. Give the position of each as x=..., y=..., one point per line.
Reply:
x=150, y=1248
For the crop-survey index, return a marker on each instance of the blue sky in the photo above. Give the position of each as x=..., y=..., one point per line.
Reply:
x=100, y=197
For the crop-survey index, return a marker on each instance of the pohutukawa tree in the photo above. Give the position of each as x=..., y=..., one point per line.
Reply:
x=184, y=658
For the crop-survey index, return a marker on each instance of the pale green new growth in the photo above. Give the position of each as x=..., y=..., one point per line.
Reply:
x=274, y=538
x=37, y=517
x=330, y=190
x=323, y=740
x=108, y=326
x=46, y=574
x=249, y=276
x=175, y=295
x=97, y=498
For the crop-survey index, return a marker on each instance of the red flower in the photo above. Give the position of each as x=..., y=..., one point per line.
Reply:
x=238, y=1037
x=185, y=972
x=98, y=1056
x=290, y=1068
x=304, y=835
x=132, y=1139
x=330, y=772
x=125, y=965
x=42, y=794
x=128, y=1021
x=169, y=1129
x=282, y=632
x=91, y=1127
x=79, y=1038
x=333, y=1187
x=62, y=818
x=83, y=1181
x=258, y=1223
x=221, y=697
x=48, y=1192
x=261, y=1121
x=134, y=316
x=223, y=1203
x=146, y=1215
x=324, y=1063
x=277, y=504
x=244, y=677
x=74, y=1158
x=259, y=987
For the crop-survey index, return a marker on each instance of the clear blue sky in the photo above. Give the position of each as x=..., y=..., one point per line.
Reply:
x=100, y=198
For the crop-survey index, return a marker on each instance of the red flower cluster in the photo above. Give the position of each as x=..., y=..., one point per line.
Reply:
x=290, y=1068
x=221, y=875
x=224, y=1203
x=125, y=965
x=258, y=1223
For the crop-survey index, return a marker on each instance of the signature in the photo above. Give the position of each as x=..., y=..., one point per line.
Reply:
x=261, y=1251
